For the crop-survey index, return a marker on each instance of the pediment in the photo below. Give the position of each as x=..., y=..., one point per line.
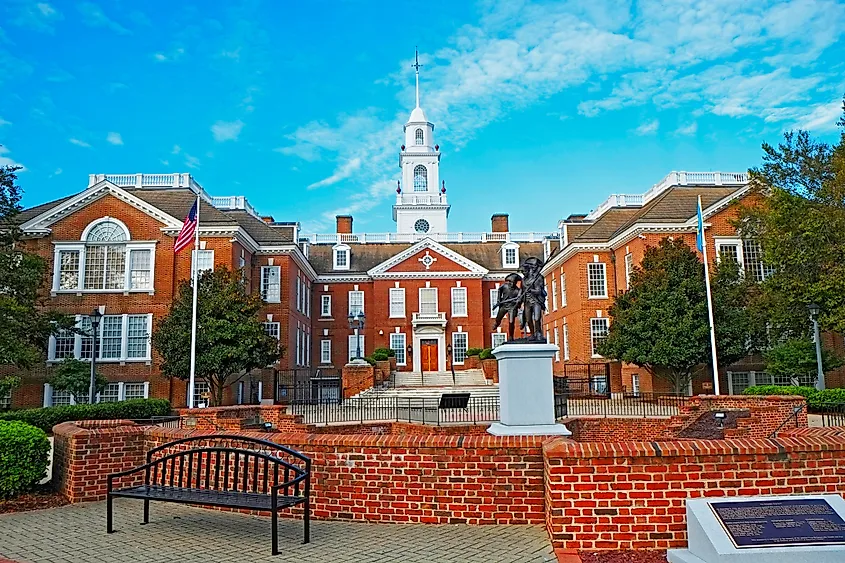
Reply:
x=427, y=259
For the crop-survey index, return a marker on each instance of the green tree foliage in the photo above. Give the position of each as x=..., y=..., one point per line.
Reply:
x=24, y=329
x=661, y=322
x=796, y=358
x=24, y=454
x=800, y=224
x=74, y=376
x=230, y=338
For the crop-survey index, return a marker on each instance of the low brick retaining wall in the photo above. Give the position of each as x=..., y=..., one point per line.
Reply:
x=240, y=417
x=616, y=429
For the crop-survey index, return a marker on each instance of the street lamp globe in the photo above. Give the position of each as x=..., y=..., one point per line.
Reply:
x=814, y=310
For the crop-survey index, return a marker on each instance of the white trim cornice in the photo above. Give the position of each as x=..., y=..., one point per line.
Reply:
x=39, y=225
x=343, y=278
x=381, y=270
x=296, y=253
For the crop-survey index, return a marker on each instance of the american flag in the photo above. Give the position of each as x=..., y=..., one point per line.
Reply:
x=186, y=235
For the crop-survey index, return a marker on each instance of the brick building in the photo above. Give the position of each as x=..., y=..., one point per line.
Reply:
x=598, y=251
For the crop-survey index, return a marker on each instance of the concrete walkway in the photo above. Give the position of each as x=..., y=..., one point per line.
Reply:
x=176, y=533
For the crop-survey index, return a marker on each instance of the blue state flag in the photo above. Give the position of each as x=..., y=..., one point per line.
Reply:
x=699, y=239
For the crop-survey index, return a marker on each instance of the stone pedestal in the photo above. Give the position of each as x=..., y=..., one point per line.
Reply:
x=526, y=392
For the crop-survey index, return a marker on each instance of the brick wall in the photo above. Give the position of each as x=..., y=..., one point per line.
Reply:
x=357, y=378
x=241, y=417
x=631, y=495
x=616, y=429
x=767, y=413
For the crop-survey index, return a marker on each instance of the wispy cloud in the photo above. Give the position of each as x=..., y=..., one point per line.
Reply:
x=114, y=138
x=4, y=122
x=7, y=160
x=56, y=172
x=93, y=16
x=79, y=143
x=192, y=161
x=227, y=130
x=170, y=56
x=39, y=16
x=648, y=128
x=690, y=129
x=344, y=171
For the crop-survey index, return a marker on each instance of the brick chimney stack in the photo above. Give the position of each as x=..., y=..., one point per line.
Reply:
x=268, y=219
x=500, y=222
x=344, y=224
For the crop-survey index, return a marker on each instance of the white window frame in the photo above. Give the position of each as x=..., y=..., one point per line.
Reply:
x=505, y=262
x=271, y=327
x=456, y=312
x=565, y=342
x=455, y=347
x=121, y=392
x=124, y=344
x=80, y=248
x=419, y=137
x=6, y=400
x=593, y=335
x=554, y=294
x=401, y=352
x=557, y=344
x=352, y=346
x=494, y=299
x=349, y=304
x=201, y=386
x=422, y=185
x=276, y=297
x=325, y=305
x=595, y=267
x=394, y=312
x=325, y=351
x=336, y=249
x=629, y=267
x=498, y=336
x=205, y=252
x=562, y=289
x=433, y=291
x=739, y=243
x=298, y=345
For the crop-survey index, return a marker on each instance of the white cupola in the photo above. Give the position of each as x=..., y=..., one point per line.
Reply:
x=421, y=205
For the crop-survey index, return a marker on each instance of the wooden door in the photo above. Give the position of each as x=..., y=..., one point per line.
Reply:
x=428, y=355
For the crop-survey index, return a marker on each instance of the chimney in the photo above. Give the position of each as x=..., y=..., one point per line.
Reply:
x=268, y=219
x=500, y=222
x=344, y=224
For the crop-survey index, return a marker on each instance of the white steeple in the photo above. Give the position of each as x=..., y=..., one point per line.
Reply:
x=421, y=205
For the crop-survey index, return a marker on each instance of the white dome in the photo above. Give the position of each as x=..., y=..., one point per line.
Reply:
x=417, y=116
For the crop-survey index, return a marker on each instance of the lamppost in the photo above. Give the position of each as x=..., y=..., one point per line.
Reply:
x=451, y=363
x=814, y=316
x=96, y=315
x=356, y=322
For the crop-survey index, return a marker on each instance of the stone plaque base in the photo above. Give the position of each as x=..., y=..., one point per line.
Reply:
x=526, y=392
x=709, y=542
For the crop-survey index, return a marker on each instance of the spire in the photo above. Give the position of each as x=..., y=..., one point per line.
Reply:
x=416, y=66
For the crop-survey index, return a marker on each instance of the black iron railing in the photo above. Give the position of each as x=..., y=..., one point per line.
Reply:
x=832, y=414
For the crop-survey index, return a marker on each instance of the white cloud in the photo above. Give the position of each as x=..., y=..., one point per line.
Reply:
x=165, y=162
x=227, y=130
x=79, y=143
x=170, y=56
x=6, y=160
x=4, y=122
x=822, y=117
x=191, y=161
x=648, y=128
x=343, y=171
x=39, y=16
x=690, y=129
x=93, y=16
x=114, y=138
x=176, y=149
x=56, y=172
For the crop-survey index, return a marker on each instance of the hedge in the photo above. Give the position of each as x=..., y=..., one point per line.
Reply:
x=816, y=400
x=391, y=353
x=46, y=418
x=380, y=356
x=24, y=454
x=486, y=354
x=473, y=351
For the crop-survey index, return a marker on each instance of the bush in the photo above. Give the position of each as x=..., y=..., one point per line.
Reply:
x=370, y=360
x=46, y=418
x=24, y=454
x=391, y=353
x=816, y=400
x=380, y=356
x=486, y=354
x=473, y=351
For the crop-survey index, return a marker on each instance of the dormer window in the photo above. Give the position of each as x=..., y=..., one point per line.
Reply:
x=510, y=255
x=419, y=138
x=341, y=257
x=420, y=178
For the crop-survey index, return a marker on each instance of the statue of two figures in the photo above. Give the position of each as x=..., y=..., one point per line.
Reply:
x=523, y=297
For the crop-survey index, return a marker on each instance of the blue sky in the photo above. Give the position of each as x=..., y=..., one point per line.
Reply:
x=539, y=107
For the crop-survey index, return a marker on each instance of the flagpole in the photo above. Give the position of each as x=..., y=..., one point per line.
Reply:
x=709, y=303
x=195, y=268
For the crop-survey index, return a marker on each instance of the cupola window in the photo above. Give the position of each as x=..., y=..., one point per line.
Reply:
x=420, y=178
x=419, y=138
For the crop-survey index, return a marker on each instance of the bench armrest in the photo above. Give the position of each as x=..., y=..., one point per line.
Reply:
x=125, y=473
x=294, y=481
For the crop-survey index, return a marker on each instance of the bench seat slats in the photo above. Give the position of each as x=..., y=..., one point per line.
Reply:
x=234, y=499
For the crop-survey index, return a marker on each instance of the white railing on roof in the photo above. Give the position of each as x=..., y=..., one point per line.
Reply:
x=233, y=202
x=412, y=198
x=671, y=179
x=147, y=180
x=375, y=238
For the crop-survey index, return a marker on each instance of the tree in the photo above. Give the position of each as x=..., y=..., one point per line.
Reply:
x=796, y=358
x=74, y=376
x=231, y=340
x=661, y=323
x=24, y=328
x=800, y=225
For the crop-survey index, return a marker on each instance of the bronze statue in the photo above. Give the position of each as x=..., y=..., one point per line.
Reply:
x=508, y=302
x=533, y=298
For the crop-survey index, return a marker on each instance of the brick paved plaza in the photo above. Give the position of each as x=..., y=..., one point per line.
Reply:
x=76, y=534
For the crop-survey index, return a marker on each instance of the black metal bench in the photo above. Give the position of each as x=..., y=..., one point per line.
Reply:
x=224, y=471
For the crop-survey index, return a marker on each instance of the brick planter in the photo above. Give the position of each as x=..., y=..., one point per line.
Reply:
x=382, y=371
x=472, y=362
x=490, y=367
x=357, y=378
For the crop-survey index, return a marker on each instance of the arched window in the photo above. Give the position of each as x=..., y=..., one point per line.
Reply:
x=105, y=256
x=420, y=178
x=419, y=139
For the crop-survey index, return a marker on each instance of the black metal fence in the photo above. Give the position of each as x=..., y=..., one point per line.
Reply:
x=832, y=414
x=578, y=396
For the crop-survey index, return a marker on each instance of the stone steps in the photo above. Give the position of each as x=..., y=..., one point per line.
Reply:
x=470, y=377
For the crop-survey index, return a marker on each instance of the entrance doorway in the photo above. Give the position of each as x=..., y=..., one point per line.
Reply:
x=428, y=355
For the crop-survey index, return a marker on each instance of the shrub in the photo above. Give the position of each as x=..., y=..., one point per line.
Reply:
x=46, y=418
x=473, y=351
x=24, y=454
x=816, y=400
x=380, y=356
x=486, y=354
x=391, y=353
x=370, y=360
